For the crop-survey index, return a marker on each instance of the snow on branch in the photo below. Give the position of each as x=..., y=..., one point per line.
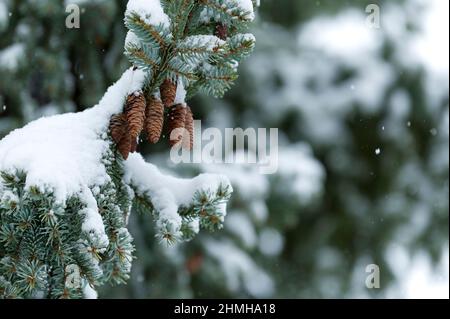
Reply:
x=231, y=10
x=67, y=182
x=63, y=154
x=180, y=205
x=148, y=10
x=62, y=178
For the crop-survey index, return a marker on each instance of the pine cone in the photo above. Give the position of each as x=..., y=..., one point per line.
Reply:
x=189, y=125
x=118, y=127
x=176, y=121
x=125, y=145
x=120, y=134
x=135, y=113
x=134, y=144
x=168, y=92
x=154, y=119
x=221, y=31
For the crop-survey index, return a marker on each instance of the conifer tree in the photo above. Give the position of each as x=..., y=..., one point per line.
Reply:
x=68, y=182
x=368, y=167
x=312, y=244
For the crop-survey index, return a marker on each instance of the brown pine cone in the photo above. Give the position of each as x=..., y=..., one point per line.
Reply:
x=125, y=145
x=135, y=113
x=176, y=122
x=154, y=119
x=221, y=31
x=118, y=127
x=168, y=92
x=134, y=144
x=189, y=125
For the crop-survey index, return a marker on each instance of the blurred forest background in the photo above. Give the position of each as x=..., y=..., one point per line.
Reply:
x=363, y=115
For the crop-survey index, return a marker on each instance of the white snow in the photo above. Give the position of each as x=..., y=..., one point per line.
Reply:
x=194, y=225
x=305, y=173
x=149, y=10
x=208, y=42
x=239, y=269
x=168, y=193
x=251, y=183
x=239, y=224
x=271, y=242
x=89, y=292
x=63, y=153
x=345, y=35
x=308, y=69
x=92, y=219
x=419, y=277
x=203, y=46
x=432, y=44
x=11, y=56
x=8, y=196
x=246, y=37
x=244, y=6
x=297, y=167
x=247, y=6
x=259, y=210
x=132, y=40
x=423, y=281
x=180, y=96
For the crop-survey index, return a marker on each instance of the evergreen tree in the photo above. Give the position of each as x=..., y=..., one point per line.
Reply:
x=55, y=69
x=376, y=162
x=68, y=182
x=370, y=127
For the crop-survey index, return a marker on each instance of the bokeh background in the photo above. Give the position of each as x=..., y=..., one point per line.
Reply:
x=363, y=115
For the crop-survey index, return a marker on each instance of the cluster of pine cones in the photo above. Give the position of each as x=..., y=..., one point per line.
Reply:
x=147, y=113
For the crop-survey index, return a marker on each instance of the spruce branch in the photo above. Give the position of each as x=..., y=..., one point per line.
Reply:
x=155, y=36
x=144, y=58
x=60, y=212
x=229, y=11
x=179, y=12
x=182, y=51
